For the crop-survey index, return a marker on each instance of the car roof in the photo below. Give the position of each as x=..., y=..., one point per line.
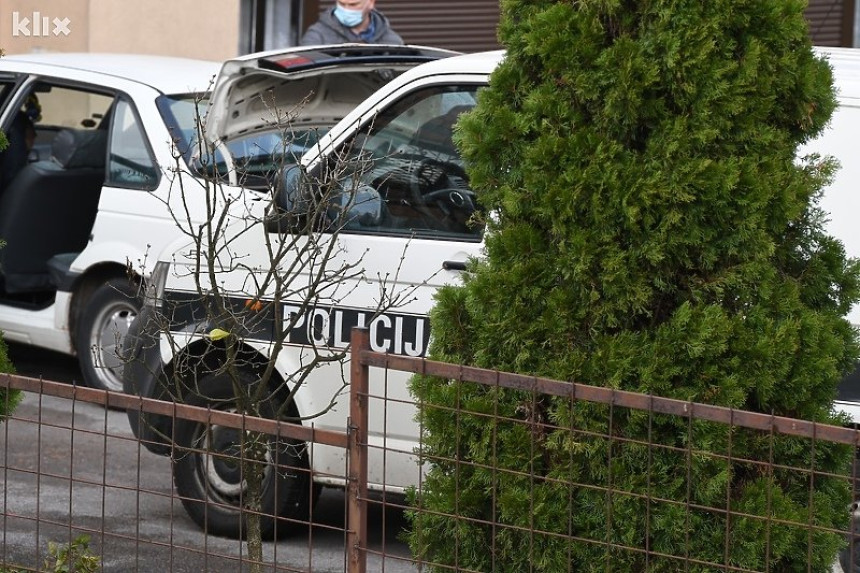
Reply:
x=477, y=63
x=166, y=74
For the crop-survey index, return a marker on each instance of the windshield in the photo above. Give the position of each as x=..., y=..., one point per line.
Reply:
x=256, y=156
x=261, y=153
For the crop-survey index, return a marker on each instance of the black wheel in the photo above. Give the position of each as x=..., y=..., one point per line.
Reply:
x=101, y=330
x=208, y=474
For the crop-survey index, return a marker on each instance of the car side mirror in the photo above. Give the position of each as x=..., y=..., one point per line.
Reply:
x=293, y=191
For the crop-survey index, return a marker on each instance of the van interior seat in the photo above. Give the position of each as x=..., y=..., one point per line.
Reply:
x=49, y=209
x=436, y=133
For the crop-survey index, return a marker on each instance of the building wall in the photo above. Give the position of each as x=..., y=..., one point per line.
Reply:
x=19, y=36
x=470, y=25
x=207, y=29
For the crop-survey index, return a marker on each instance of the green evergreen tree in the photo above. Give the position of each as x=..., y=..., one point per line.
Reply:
x=8, y=399
x=653, y=232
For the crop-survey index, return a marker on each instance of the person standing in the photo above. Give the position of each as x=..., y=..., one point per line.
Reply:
x=351, y=21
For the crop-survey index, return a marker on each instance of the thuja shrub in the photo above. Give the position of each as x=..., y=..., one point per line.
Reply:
x=8, y=399
x=652, y=230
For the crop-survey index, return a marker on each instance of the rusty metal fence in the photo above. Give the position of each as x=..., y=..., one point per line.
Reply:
x=72, y=467
x=614, y=552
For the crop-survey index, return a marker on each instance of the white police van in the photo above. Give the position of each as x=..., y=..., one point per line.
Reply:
x=409, y=228
x=111, y=169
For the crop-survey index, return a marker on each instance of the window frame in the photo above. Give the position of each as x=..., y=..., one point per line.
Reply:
x=123, y=97
x=28, y=82
x=322, y=171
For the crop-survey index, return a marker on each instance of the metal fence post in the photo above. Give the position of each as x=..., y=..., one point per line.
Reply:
x=357, y=486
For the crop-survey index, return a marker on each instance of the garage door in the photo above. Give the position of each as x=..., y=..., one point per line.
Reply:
x=831, y=22
x=463, y=25
x=470, y=25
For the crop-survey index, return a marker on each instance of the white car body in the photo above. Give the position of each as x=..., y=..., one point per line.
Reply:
x=422, y=266
x=132, y=224
x=841, y=199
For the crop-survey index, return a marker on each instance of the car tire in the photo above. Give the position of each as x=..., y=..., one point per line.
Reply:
x=100, y=332
x=210, y=486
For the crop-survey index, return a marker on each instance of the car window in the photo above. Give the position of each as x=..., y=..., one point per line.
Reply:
x=256, y=156
x=184, y=114
x=70, y=107
x=260, y=152
x=131, y=163
x=52, y=108
x=403, y=175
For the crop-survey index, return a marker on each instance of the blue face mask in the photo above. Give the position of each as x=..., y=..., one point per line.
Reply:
x=349, y=18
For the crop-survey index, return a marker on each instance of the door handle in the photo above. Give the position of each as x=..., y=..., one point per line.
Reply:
x=454, y=265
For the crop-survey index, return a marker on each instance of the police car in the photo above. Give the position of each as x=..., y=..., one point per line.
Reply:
x=408, y=225
x=102, y=164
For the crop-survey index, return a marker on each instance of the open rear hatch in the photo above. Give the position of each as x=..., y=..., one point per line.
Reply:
x=272, y=105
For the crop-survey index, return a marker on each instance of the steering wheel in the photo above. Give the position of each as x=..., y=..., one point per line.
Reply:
x=423, y=179
x=459, y=199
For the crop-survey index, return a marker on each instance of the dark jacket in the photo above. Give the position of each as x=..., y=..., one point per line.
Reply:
x=328, y=30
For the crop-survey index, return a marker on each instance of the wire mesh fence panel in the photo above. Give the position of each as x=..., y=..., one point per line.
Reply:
x=507, y=473
x=528, y=474
x=79, y=487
